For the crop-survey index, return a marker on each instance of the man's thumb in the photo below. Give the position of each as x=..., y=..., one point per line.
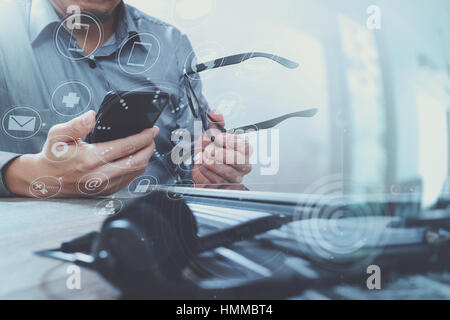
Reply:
x=77, y=127
x=217, y=117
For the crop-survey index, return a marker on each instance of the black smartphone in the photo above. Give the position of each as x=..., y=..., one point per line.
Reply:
x=125, y=113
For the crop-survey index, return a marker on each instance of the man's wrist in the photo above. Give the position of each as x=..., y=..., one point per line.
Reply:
x=16, y=174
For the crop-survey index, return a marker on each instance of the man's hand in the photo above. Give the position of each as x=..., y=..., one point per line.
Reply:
x=222, y=163
x=107, y=167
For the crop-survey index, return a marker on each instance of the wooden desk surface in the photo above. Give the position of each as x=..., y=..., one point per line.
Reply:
x=31, y=225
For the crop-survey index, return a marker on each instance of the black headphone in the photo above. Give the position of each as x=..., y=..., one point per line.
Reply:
x=144, y=249
x=147, y=244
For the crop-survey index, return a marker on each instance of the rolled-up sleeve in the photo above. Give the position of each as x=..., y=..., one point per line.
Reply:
x=5, y=158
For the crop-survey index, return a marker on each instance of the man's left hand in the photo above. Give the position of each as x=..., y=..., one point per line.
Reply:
x=221, y=164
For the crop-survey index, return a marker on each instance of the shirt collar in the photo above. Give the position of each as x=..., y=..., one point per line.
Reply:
x=42, y=14
x=126, y=26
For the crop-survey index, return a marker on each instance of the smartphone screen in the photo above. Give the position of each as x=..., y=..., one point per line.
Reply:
x=123, y=114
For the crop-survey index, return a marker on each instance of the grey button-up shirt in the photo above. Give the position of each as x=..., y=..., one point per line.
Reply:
x=46, y=79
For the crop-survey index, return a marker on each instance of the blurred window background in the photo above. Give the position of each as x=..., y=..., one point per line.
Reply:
x=383, y=94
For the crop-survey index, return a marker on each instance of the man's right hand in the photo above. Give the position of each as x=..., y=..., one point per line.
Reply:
x=69, y=160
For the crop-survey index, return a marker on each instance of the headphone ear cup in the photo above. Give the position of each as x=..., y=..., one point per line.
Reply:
x=171, y=222
x=184, y=225
x=146, y=246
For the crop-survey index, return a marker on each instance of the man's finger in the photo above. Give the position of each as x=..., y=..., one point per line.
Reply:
x=137, y=161
x=236, y=159
x=227, y=173
x=211, y=177
x=75, y=128
x=218, y=119
x=117, y=149
x=228, y=141
x=232, y=173
x=210, y=136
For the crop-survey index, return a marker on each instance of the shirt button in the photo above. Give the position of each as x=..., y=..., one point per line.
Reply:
x=92, y=64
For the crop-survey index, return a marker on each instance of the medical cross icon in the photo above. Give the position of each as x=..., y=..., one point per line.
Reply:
x=71, y=100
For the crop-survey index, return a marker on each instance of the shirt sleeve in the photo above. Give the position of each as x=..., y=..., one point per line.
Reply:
x=5, y=157
x=4, y=99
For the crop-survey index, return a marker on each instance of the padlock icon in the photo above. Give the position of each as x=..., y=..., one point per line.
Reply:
x=142, y=186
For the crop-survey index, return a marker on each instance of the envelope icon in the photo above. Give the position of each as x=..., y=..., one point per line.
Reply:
x=21, y=123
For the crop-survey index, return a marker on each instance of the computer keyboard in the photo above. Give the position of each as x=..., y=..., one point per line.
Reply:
x=296, y=248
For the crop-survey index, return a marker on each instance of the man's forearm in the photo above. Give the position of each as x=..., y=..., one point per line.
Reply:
x=5, y=160
x=16, y=175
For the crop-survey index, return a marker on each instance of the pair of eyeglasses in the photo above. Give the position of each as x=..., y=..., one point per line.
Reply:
x=199, y=112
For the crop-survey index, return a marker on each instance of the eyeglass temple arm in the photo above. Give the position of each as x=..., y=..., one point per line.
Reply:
x=260, y=125
x=238, y=58
x=273, y=122
x=190, y=91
